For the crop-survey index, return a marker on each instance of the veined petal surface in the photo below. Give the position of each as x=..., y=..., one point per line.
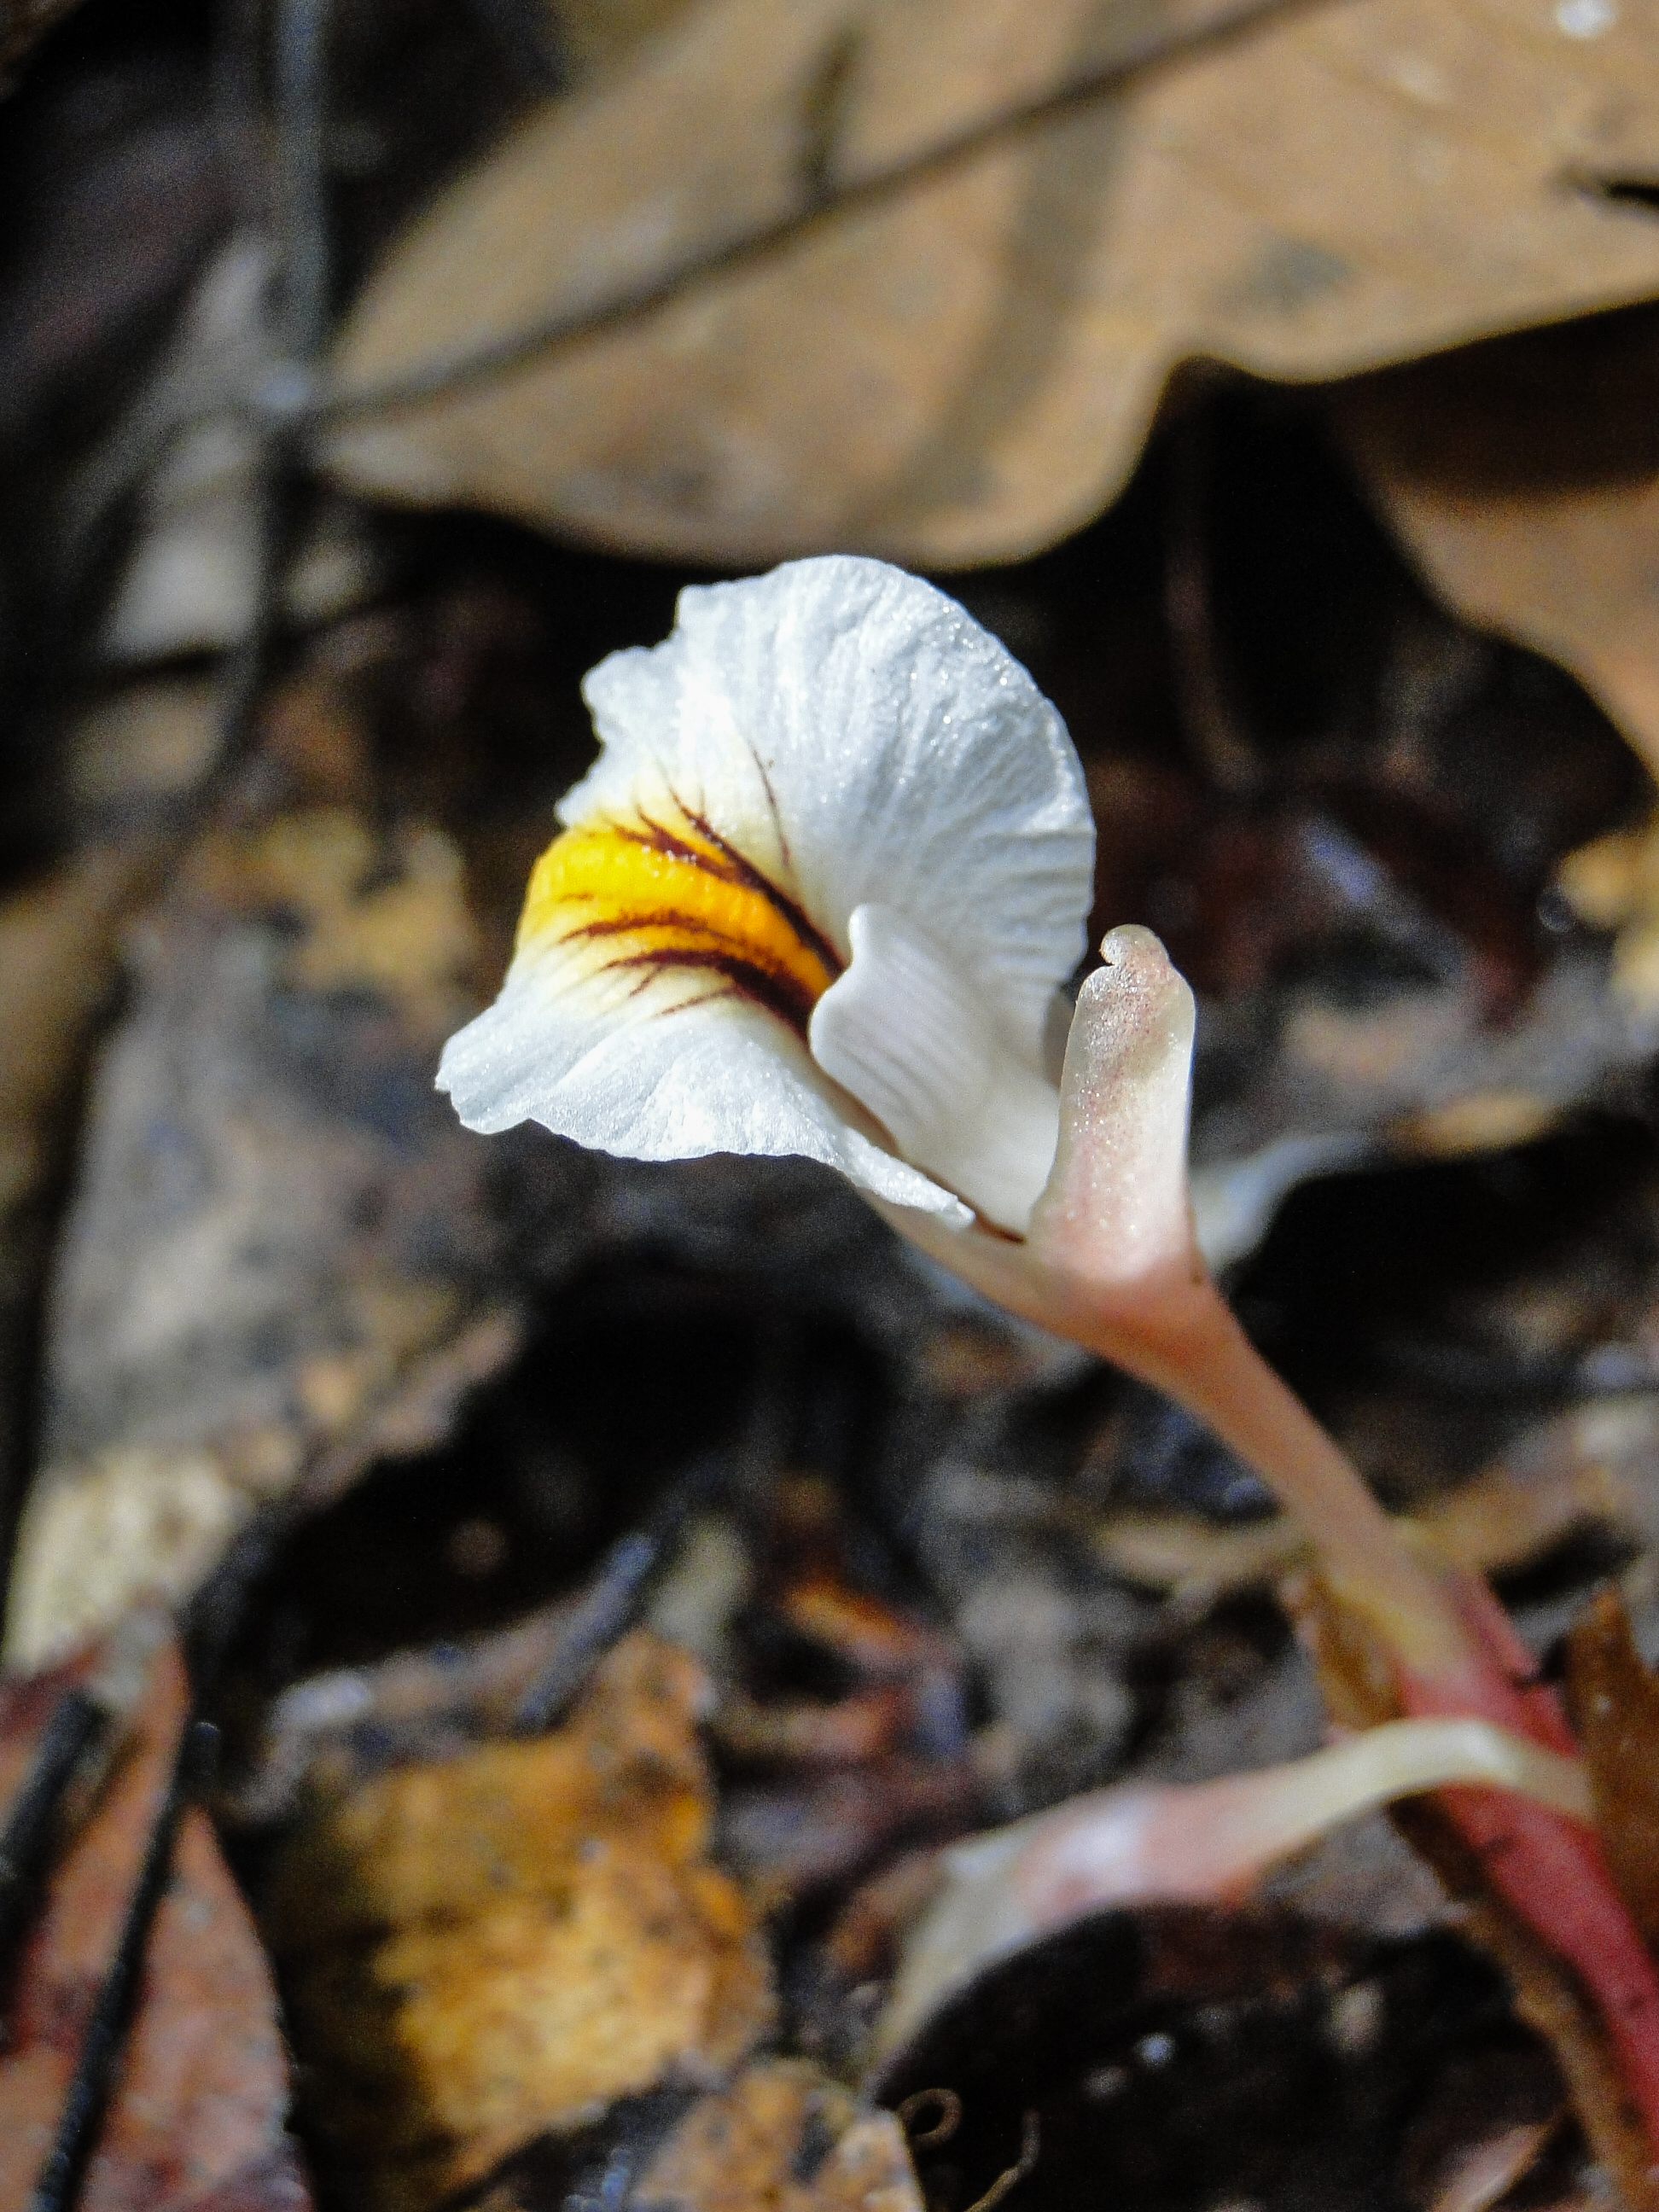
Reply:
x=713, y=1076
x=860, y=738
x=803, y=743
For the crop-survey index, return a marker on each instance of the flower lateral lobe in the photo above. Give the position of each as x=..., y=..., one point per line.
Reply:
x=673, y=903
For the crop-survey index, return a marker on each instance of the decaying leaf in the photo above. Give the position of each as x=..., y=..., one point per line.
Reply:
x=481, y=1951
x=57, y=955
x=1615, y=1710
x=329, y=1731
x=197, y=2116
x=279, y=1240
x=1524, y=475
x=962, y=368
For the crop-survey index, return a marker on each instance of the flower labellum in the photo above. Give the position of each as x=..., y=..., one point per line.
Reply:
x=816, y=897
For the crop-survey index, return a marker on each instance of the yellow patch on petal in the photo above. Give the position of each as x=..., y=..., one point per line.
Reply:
x=659, y=899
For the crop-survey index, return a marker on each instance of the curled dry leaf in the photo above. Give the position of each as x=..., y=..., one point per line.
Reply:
x=1524, y=475
x=197, y=2117
x=278, y=1258
x=962, y=367
x=482, y=1951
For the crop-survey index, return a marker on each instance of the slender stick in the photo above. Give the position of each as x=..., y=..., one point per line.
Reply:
x=31, y=1824
x=58, y=2181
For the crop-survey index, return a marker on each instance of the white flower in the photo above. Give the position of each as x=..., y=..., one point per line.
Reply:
x=816, y=897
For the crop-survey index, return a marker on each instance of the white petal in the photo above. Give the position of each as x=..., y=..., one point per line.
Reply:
x=909, y=1036
x=859, y=737
x=624, y=1075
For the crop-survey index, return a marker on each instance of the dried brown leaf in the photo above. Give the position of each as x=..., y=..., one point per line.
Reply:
x=1615, y=1711
x=197, y=2116
x=962, y=368
x=484, y=1950
x=1524, y=477
x=278, y=1259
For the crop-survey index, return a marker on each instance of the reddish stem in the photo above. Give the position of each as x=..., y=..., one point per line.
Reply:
x=1453, y=1649
x=1551, y=1870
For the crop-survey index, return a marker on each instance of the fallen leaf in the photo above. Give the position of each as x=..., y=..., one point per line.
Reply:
x=1614, y=1698
x=278, y=1258
x=197, y=2115
x=480, y=1951
x=962, y=366
x=57, y=952
x=327, y=1732
x=1523, y=476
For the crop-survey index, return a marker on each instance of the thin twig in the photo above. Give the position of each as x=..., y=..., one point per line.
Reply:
x=59, y=2180
x=1030, y=2143
x=302, y=175
x=31, y=1824
x=613, y=1598
x=460, y=372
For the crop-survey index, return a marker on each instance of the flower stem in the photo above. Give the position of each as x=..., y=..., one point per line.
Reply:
x=1186, y=1341
x=1452, y=1650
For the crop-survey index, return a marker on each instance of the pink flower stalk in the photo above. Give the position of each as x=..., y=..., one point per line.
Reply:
x=1109, y=1261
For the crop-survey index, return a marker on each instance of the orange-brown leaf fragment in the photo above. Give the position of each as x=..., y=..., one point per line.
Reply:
x=195, y=2118
x=1615, y=1713
x=486, y=1950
